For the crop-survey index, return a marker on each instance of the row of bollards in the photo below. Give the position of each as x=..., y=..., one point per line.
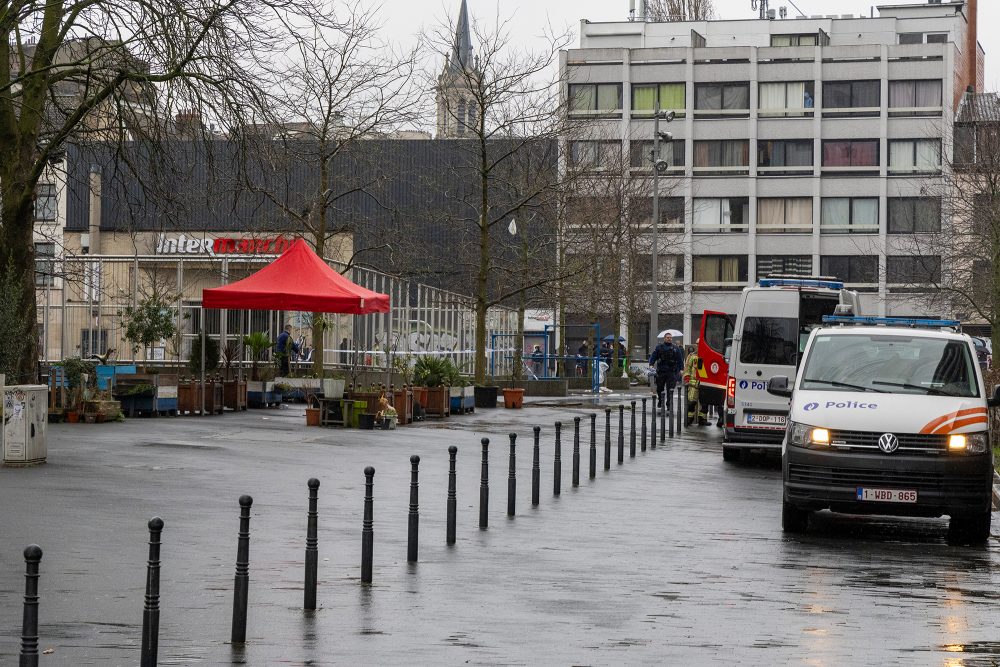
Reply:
x=151, y=611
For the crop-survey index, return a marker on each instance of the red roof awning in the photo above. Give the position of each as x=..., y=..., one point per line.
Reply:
x=297, y=280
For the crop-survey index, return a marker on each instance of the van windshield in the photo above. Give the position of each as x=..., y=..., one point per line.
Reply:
x=895, y=364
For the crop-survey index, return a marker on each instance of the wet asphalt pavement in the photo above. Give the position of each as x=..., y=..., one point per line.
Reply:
x=672, y=558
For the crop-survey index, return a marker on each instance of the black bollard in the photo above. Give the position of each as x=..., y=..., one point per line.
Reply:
x=511, y=475
x=29, y=622
x=681, y=407
x=452, y=500
x=557, y=462
x=312, y=544
x=593, y=445
x=621, y=434
x=607, y=438
x=484, y=486
x=151, y=609
x=631, y=436
x=667, y=415
x=241, y=587
x=414, y=515
x=576, y=451
x=536, y=472
x=367, y=531
x=643, y=424
x=652, y=426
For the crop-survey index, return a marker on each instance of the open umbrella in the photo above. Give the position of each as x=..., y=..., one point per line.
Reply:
x=673, y=332
x=611, y=337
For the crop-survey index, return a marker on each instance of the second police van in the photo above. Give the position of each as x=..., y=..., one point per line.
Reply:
x=772, y=325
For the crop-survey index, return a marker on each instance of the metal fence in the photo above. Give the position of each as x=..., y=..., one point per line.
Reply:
x=81, y=312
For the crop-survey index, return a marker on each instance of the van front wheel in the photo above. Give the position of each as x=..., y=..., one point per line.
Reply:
x=971, y=529
x=793, y=519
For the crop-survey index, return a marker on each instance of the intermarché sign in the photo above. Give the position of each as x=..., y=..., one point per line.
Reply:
x=184, y=245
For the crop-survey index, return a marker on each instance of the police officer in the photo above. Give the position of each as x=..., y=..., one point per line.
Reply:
x=668, y=360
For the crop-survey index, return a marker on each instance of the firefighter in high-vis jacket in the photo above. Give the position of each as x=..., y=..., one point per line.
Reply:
x=691, y=369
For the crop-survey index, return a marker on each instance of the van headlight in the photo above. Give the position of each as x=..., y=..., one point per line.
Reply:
x=969, y=443
x=804, y=435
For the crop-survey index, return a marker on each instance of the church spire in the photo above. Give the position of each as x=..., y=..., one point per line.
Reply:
x=461, y=50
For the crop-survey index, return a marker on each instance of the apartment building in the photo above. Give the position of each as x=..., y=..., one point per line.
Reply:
x=801, y=145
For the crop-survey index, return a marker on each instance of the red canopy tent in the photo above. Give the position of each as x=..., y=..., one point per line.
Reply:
x=298, y=280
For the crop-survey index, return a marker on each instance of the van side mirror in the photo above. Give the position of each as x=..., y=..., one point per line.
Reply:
x=995, y=400
x=778, y=385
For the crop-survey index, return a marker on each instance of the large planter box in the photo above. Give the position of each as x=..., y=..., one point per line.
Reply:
x=486, y=397
x=463, y=399
x=333, y=387
x=234, y=394
x=103, y=411
x=107, y=375
x=148, y=394
x=189, y=397
x=438, y=402
x=402, y=401
x=370, y=398
x=262, y=394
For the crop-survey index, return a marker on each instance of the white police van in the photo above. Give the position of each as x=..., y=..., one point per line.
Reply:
x=888, y=416
x=773, y=323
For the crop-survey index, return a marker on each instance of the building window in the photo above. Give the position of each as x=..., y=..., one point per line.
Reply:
x=671, y=96
x=849, y=215
x=787, y=265
x=45, y=202
x=460, y=121
x=786, y=99
x=719, y=270
x=920, y=97
x=914, y=215
x=852, y=269
x=937, y=37
x=794, y=40
x=669, y=267
x=45, y=264
x=851, y=98
x=672, y=151
x=722, y=99
x=731, y=214
x=671, y=213
x=727, y=156
x=913, y=269
x=915, y=155
x=93, y=341
x=784, y=214
x=850, y=155
x=911, y=38
x=785, y=156
x=471, y=112
x=594, y=154
x=592, y=98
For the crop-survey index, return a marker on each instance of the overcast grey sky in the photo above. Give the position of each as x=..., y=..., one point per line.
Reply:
x=405, y=18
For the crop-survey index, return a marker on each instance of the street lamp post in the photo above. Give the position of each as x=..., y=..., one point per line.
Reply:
x=659, y=165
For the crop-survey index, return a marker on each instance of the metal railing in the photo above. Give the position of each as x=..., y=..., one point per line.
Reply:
x=83, y=312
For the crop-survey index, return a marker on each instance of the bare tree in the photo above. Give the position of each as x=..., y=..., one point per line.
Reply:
x=608, y=233
x=509, y=112
x=345, y=85
x=114, y=71
x=679, y=10
x=944, y=247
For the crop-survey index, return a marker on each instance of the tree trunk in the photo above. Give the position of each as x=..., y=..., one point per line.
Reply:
x=18, y=317
x=483, y=274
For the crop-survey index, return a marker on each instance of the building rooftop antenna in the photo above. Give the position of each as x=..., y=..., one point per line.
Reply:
x=762, y=4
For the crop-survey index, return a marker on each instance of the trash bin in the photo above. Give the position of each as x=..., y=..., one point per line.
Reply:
x=24, y=413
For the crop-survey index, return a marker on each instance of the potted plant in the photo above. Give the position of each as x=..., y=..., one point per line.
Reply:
x=312, y=415
x=513, y=397
x=149, y=320
x=436, y=373
x=333, y=387
x=78, y=375
x=257, y=342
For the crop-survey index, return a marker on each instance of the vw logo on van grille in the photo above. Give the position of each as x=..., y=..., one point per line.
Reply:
x=888, y=443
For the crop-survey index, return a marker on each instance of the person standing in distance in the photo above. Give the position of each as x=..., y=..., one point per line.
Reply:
x=286, y=346
x=668, y=360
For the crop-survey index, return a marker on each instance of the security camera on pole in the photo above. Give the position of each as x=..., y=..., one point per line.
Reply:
x=659, y=166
